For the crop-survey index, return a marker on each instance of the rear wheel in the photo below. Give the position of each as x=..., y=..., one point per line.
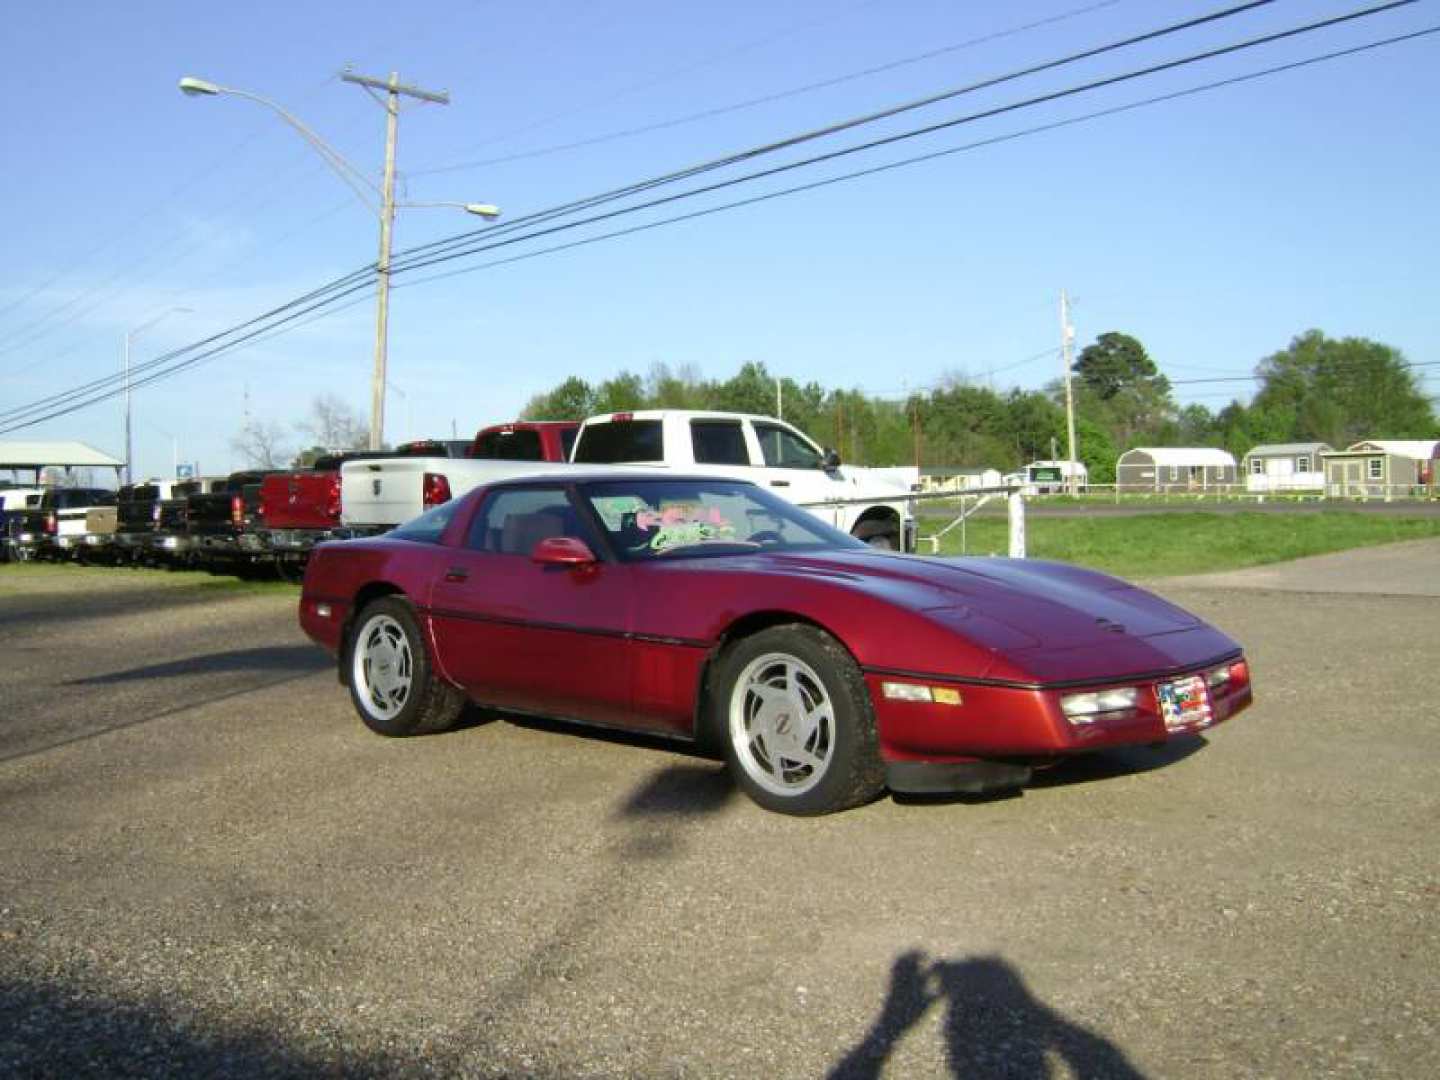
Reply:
x=798, y=727
x=391, y=677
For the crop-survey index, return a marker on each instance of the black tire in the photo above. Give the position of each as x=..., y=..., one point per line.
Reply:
x=392, y=679
x=290, y=571
x=843, y=767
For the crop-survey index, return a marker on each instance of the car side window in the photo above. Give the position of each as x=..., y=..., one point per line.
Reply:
x=718, y=442
x=783, y=449
x=513, y=521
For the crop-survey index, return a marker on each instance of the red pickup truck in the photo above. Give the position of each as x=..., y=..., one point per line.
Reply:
x=302, y=508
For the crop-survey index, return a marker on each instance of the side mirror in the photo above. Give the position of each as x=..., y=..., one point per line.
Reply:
x=831, y=460
x=563, y=551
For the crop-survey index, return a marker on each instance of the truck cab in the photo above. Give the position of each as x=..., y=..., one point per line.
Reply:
x=764, y=450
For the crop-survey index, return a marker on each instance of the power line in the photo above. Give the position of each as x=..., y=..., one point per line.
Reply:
x=339, y=285
x=767, y=99
x=579, y=205
x=325, y=294
x=666, y=77
x=414, y=261
x=1259, y=378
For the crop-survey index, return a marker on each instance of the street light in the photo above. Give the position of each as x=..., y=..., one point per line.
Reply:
x=196, y=87
x=130, y=336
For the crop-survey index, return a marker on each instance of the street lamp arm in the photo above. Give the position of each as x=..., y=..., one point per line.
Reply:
x=337, y=161
x=485, y=210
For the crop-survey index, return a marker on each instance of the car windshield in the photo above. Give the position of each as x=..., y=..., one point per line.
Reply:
x=656, y=519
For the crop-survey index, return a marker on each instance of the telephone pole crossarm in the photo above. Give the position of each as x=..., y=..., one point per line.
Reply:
x=393, y=86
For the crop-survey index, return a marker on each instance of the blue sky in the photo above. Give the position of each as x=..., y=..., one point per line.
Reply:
x=1214, y=228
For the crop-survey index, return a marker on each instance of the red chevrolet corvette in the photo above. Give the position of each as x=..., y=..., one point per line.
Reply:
x=707, y=609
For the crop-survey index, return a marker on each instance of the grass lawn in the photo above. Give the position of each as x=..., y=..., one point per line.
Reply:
x=1159, y=545
x=40, y=576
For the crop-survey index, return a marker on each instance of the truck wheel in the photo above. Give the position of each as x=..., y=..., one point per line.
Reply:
x=391, y=677
x=796, y=721
x=290, y=571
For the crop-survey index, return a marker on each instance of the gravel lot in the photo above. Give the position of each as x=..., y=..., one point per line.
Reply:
x=208, y=867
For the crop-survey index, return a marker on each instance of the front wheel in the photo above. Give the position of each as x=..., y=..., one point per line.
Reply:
x=392, y=680
x=798, y=727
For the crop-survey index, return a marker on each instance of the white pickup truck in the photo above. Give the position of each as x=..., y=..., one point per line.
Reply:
x=868, y=504
x=376, y=494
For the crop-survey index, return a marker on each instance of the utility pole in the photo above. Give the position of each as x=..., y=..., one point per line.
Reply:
x=1067, y=342
x=779, y=399
x=392, y=88
x=917, y=432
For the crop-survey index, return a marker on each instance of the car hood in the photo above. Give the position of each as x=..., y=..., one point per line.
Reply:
x=1039, y=604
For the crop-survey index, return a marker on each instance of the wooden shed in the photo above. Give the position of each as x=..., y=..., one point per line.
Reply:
x=1175, y=470
x=1382, y=469
x=1285, y=467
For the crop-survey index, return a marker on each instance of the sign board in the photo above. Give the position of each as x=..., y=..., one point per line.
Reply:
x=185, y=471
x=1045, y=474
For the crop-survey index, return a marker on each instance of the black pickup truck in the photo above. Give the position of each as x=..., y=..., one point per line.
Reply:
x=170, y=541
x=224, y=524
x=137, y=516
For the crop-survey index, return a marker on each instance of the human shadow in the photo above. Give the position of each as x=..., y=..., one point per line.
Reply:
x=993, y=1027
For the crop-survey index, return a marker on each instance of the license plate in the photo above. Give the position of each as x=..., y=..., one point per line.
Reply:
x=1184, y=703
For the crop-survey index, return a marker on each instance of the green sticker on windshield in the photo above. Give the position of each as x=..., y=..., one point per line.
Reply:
x=683, y=524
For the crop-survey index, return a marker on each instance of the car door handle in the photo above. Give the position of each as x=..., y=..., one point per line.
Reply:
x=457, y=573
x=779, y=483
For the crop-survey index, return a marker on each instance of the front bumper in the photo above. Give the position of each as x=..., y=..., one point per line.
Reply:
x=987, y=737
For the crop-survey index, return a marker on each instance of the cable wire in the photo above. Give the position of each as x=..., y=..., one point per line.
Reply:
x=766, y=99
x=327, y=296
x=589, y=202
x=403, y=264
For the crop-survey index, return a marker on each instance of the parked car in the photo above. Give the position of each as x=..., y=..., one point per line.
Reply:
x=172, y=541
x=709, y=609
x=137, y=513
x=867, y=504
x=378, y=495
x=55, y=526
x=225, y=525
x=14, y=501
x=301, y=508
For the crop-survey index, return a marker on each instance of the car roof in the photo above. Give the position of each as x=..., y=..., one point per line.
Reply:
x=591, y=473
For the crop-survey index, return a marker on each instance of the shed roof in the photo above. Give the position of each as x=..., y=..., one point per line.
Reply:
x=38, y=454
x=1421, y=449
x=1272, y=449
x=1183, y=455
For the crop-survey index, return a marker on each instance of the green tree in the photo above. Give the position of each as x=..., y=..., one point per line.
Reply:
x=751, y=390
x=624, y=393
x=1121, y=388
x=1341, y=391
x=573, y=399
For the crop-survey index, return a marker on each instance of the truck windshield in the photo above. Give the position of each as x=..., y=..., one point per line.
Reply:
x=619, y=441
x=521, y=445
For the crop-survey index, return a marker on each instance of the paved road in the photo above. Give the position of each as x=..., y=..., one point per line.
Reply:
x=1411, y=568
x=208, y=867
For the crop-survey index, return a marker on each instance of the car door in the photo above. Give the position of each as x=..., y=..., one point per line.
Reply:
x=794, y=470
x=539, y=638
